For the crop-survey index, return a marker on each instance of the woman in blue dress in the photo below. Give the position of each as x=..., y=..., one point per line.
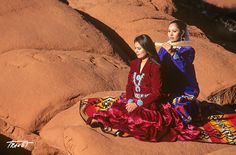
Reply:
x=178, y=74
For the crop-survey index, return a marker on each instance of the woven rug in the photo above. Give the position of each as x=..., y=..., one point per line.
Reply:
x=91, y=105
x=217, y=129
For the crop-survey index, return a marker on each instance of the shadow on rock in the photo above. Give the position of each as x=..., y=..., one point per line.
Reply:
x=207, y=109
x=117, y=42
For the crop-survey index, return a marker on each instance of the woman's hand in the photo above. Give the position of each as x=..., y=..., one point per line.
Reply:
x=131, y=106
x=168, y=47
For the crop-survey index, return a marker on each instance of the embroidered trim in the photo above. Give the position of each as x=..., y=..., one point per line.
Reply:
x=176, y=56
x=136, y=95
x=139, y=79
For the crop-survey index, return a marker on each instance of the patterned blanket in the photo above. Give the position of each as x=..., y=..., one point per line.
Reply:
x=217, y=129
x=89, y=106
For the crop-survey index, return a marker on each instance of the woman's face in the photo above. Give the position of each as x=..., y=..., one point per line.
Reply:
x=139, y=51
x=174, y=33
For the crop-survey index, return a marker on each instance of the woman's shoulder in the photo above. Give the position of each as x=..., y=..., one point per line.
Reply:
x=154, y=64
x=134, y=61
x=187, y=50
x=189, y=47
x=162, y=51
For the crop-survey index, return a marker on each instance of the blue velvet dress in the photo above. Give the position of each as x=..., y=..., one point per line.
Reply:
x=179, y=80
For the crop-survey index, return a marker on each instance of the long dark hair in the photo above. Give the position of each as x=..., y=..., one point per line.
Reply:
x=148, y=45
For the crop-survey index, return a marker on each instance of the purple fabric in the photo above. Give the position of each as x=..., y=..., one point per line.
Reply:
x=178, y=72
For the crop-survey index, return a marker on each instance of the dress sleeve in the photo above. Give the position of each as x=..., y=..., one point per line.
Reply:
x=161, y=53
x=155, y=85
x=183, y=58
x=188, y=55
x=184, y=61
x=130, y=84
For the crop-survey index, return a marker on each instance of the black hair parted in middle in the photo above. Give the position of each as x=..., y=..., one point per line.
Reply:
x=148, y=45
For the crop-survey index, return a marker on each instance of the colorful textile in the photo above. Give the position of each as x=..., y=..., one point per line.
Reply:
x=152, y=120
x=187, y=107
x=219, y=129
x=93, y=105
x=160, y=124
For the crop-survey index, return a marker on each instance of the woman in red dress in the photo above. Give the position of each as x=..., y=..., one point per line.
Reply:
x=142, y=114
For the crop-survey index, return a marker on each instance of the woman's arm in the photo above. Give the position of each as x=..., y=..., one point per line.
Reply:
x=184, y=62
x=130, y=85
x=161, y=53
x=183, y=58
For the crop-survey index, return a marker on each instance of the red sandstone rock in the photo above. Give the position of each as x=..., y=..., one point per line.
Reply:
x=50, y=57
x=215, y=67
x=229, y=4
x=69, y=132
x=225, y=96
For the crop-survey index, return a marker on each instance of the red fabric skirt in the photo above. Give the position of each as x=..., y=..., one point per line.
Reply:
x=158, y=122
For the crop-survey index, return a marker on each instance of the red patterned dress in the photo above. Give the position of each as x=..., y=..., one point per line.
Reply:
x=152, y=120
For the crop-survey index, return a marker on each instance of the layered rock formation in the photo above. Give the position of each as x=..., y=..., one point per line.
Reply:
x=225, y=96
x=53, y=55
x=50, y=58
x=214, y=65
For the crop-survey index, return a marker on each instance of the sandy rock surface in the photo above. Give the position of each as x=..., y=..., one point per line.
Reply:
x=223, y=4
x=52, y=55
x=69, y=132
x=215, y=67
